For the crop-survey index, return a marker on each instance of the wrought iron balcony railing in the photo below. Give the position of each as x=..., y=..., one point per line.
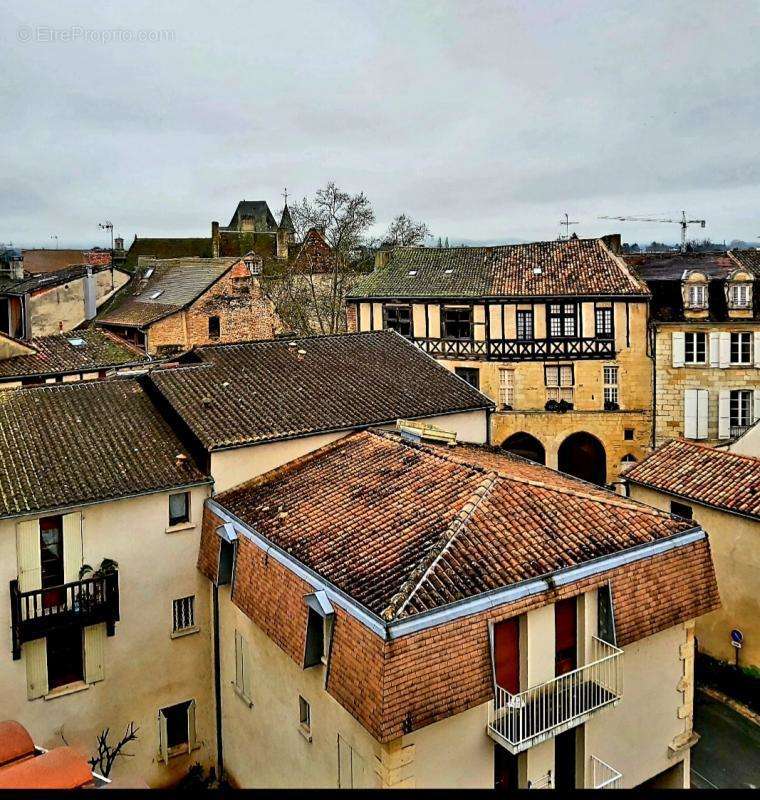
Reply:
x=603, y=776
x=519, y=721
x=519, y=349
x=87, y=602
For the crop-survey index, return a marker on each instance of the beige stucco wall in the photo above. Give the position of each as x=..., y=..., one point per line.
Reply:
x=145, y=669
x=735, y=546
x=749, y=444
x=232, y=467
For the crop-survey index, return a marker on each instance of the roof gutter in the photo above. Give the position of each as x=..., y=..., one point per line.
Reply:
x=461, y=608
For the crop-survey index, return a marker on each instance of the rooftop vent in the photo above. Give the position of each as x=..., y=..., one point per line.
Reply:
x=180, y=459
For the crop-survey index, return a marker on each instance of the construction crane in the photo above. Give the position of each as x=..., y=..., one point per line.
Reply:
x=683, y=222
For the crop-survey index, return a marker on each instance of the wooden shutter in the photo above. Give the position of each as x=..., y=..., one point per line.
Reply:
x=714, y=349
x=678, y=348
x=35, y=655
x=566, y=635
x=192, y=740
x=94, y=652
x=703, y=409
x=690, y=413
x=72, y=546
x=506, y=654
x=163, y=738
x=724, y=414
x=756, y=348
x=28, y=555
x=725, y=350
x=756, y=399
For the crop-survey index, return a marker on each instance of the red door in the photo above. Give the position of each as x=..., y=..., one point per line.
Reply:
x=566, y=636
x=506, y=654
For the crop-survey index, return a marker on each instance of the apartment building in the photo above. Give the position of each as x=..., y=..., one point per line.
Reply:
x=106, y=617
x=706, y=338
x=248, y=407
x=717, y=489
x=397, y=614
x=555, y=333
x=172, y=304
x=82, y=355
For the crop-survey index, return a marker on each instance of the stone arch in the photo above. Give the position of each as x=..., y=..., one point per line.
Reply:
x=525, y=445
x=584, y=456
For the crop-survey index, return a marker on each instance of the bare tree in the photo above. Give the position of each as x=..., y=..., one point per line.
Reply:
x=103, y=760
x=405, y=232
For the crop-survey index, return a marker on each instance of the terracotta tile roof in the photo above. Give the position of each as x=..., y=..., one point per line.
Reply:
x=260, y=391
x=703, y=474
x=578, y=267
x=45, y=280
x=405, y=528
x=57, y=355
x=77, y=443
x=173, y=284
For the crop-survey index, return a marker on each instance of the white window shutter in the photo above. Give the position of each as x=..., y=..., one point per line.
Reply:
x=756, y=348
x=714, y=349
x=28, y=555
x=756, y=399
x=724, y=414
x=702, y=413
x=725, y=349
x=690, y=413
x=191, y=735
x=679, y=338
x=94, y=652
x=163, y=738
x=72, y=546
x=35, y=656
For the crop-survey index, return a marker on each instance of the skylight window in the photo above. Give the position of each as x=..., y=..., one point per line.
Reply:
x=156, y=295
x=149, y=272
x=77, y=342
x=448, y=271
x=412, y=272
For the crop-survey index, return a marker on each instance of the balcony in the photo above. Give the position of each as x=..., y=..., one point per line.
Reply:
x=518, y=349
x=519, y=721
x=86, y=602
x=603, y=776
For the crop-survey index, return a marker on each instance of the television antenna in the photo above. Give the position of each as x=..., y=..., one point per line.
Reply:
x=683, y=222
x=567, y=222
x=107, y=226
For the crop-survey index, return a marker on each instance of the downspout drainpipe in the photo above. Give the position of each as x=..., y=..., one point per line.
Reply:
x=217, y=684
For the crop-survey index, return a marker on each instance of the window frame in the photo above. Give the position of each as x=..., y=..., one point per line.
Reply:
x=167, y=751
x=177, y=614
x=741, y=336
x=743, y=410
x=676, y=507
x=567, y=313
x=694, y=289
x=304, y=717
x=611, y=383
x=468, y=323
x=175, y=522
x=524, y=319
x=608, y=321
x=397, y=323
x=214, y=321
x=691, y=342
x=506, y=388
x=471, y=371
x=77, y=645
x=561, y=390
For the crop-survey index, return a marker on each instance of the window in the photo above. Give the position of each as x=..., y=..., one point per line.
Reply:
x=697, y=296
x=506, y=388
x=183, y=615
x=604, y=329
x=214, y=327
x=739, y=295
x=605, y=615
x=628, y=434
x=65, y=663
x=559, y=383
x=399, y=319
x=563, y=320
x=695, y=348
x=179, y=508
x=304, y=716
x=51, y=551
x=77, y=342
x=242, y=668
x=525, y=325
x=681, y=510
x=149, y=272
x=740, y=411
x=469, y=374
x=177, y=729
x=611, y=395
x=319, y=629
x=156, y=295
x=741, y=348
x=457, y=323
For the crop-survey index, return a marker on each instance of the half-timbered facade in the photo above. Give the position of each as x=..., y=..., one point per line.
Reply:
x=554, y=332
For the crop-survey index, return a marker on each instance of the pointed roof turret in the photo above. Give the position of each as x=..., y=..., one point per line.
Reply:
x=286, y=223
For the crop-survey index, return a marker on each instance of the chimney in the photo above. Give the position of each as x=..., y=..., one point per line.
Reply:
x=382, y=257
x=215, y=240
x=90, y=302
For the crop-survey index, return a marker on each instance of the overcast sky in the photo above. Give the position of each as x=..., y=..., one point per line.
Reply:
x=487, y=120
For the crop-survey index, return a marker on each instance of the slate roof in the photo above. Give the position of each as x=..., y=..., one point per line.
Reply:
x=45, y=280
x=77, y=443
x=199, y=247
x=180, y=282
x=57, y=355
x=259, y=210
x=261, y=391
x=748, y=259
x=577, y=267
x=405, y=528
x=719, y=478
x=286, y=221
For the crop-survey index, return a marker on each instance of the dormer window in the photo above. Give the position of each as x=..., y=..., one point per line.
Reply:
x=739, y=295
x=318, y=629
x=696, y=296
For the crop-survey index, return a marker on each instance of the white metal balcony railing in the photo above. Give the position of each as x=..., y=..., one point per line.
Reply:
x=544, y=782
x=518, y=721
x=603, y=776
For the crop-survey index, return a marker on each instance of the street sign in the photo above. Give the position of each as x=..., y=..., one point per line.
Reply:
x=737, y=638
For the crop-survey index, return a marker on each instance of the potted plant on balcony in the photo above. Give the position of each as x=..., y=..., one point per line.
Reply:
x=95, y=593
